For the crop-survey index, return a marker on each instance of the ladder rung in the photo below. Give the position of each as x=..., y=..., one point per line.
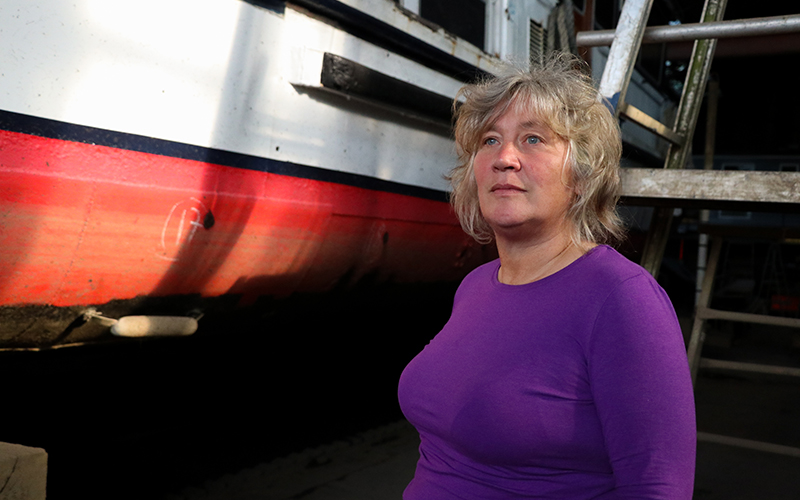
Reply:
x=748, y=443
x=749, y=367
x=708, y=313
x=640, y=117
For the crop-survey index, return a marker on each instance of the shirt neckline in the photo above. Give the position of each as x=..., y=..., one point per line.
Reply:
x=561, y=273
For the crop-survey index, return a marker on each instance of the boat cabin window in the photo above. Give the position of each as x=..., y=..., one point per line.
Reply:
x=463, y=18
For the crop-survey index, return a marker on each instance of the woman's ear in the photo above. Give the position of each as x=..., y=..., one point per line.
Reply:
x=568, y=171
x=578, y=188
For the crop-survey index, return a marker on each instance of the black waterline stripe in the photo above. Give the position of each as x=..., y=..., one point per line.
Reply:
x=54, y=129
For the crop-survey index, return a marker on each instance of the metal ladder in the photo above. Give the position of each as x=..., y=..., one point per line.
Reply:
x=704, y=313
x=617, y=74
x=613, y=86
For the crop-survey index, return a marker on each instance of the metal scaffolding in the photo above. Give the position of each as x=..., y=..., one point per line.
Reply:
x=674, y=186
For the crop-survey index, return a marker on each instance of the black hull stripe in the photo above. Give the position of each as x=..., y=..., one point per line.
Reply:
x=53, y=129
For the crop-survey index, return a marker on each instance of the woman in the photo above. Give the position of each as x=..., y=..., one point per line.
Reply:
x=562, y=371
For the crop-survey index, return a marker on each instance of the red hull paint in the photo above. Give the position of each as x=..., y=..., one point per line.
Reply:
x=85, y=224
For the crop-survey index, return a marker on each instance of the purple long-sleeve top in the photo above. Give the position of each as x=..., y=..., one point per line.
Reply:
x=575, y=386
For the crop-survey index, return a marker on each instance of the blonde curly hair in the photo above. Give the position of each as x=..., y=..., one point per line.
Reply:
x=560, y=93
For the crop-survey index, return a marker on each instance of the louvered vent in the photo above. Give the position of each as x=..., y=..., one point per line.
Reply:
x=536, y=41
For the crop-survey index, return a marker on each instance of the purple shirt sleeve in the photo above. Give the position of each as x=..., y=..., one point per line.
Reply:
x=643, y=393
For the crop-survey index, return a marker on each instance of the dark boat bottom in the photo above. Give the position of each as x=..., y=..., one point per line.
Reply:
x=135, y=417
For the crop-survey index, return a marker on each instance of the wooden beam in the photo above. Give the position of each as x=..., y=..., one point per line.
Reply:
x=761, y=319
x=748, y=443
x=749, y=367
x=641, y=118
x=719, y=189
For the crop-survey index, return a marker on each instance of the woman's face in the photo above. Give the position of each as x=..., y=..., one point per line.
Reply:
x=522, y=177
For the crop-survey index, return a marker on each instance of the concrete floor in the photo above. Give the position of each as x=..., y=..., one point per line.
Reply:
x=378, y=464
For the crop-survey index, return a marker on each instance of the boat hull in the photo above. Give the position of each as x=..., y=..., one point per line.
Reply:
x=189, y=157
x=92, y=225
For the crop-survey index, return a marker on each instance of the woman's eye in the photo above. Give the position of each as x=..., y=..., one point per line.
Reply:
x=532, y=140
x=490, y=141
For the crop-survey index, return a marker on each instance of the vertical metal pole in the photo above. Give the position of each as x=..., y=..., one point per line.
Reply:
x=622, y=55
x=711, y=130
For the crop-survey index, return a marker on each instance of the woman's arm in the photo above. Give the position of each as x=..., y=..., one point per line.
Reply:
x=641, y=385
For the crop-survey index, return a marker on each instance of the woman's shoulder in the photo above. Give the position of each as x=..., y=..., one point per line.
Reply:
x=480, y=282
x=606, y=265
x=482, y=275
x=613, y=278
x=483, y=271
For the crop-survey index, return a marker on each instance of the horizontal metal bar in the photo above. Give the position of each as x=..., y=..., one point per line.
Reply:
x=761, y=319
x=643, y=119
x=721, y=189
x=749, y=367
x=775, y=233
x=698, y=31
x=748, y=443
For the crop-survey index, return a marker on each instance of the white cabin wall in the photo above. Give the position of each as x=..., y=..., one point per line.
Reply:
x=216, y=73
x=220, y=74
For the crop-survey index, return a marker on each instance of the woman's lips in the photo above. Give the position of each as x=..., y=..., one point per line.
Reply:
x=506, y=188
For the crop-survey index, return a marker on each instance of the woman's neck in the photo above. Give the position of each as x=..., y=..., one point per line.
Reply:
x=526, y=262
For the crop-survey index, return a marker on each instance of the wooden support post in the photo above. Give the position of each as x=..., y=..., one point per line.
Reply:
x=698, y=328
x=656, y=240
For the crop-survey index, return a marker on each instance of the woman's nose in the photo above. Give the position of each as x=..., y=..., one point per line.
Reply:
x=507, y=158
